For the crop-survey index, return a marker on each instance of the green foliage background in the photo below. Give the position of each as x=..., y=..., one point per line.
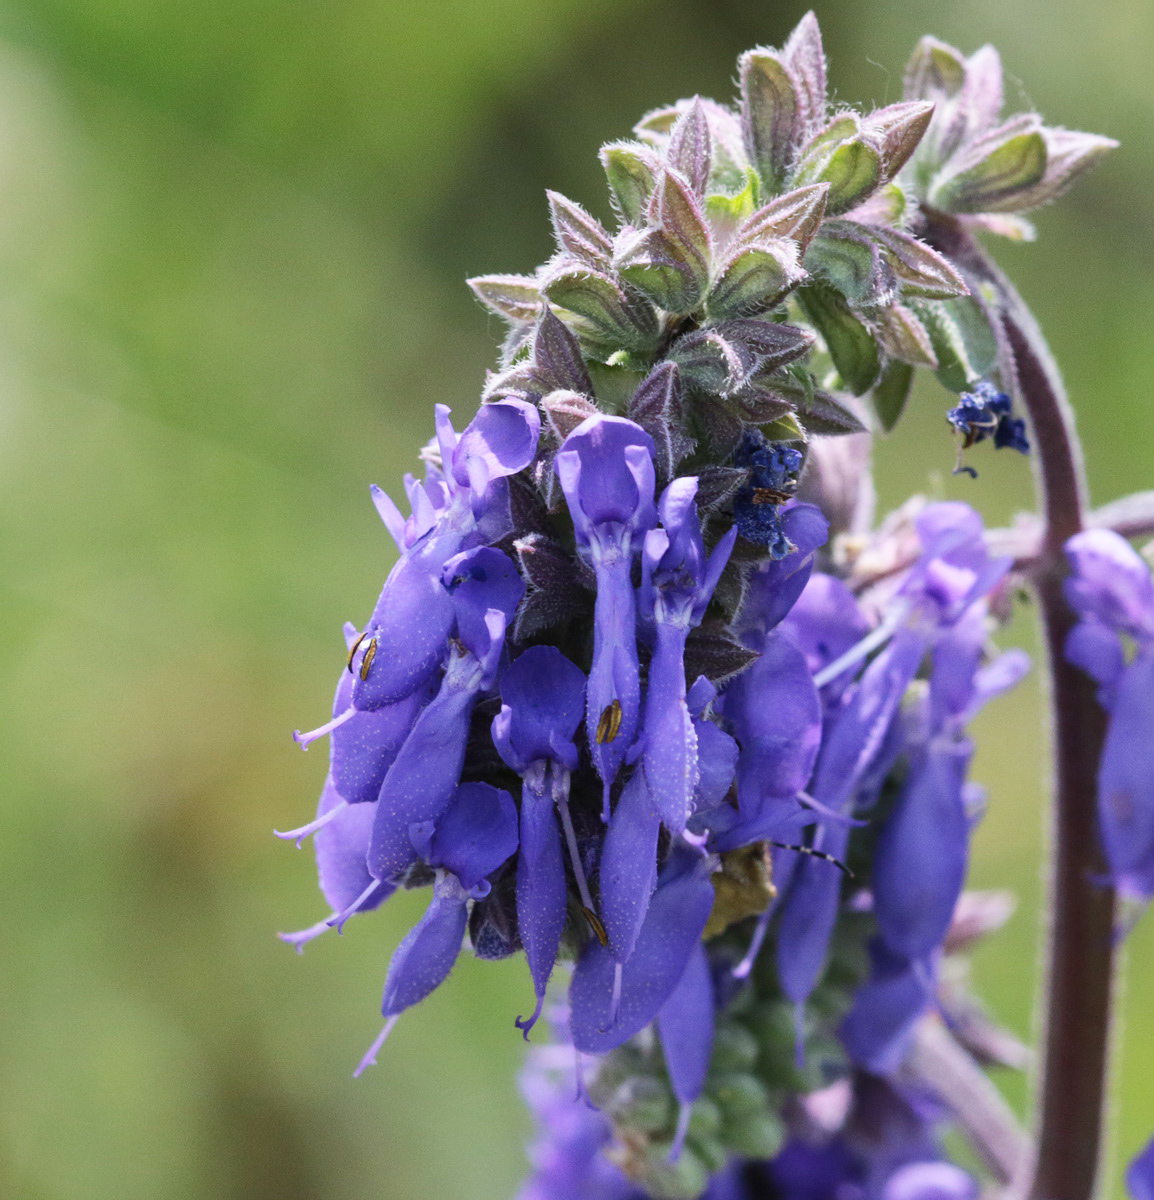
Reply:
x=232, y=240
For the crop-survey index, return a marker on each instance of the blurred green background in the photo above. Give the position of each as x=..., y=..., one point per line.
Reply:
x=232, y=244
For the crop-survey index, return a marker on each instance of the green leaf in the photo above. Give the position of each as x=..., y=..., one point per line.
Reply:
x=962, y=339
x=804, y=54
x=670, y=260
x=727, y=212
x=1068, y=155
x=632, y=170
x=711, y=361
x=935, y=71
x=846, y=157
x=797, y=214
x=821, y=412
x=654, y=127
x=900, y=128
x=580, y=234
x=760, y=405
x=994, y=183
x=891, y=392
x=769, y=113
x=903, y=336
x=755, y=278
x=690, y=150
x=610, y=315
x=677, y=213
x=848, y=260
x=785, y=428
x=850, y=343
x=514, y=297
x=654, y=265
x=853, y=171
x=921, y=270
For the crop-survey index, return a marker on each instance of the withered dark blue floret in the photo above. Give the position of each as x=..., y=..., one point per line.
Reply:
x=773, y=469
x=985, y=413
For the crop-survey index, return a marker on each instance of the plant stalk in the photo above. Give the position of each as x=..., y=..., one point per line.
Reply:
x=1079, y=969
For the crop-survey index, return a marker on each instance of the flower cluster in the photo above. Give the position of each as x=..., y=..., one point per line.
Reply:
x=646, y=695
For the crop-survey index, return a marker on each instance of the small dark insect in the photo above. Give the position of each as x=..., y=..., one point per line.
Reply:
x=353, y=650
x=367, y=661
x=764, y=495
x=814, y=854
x=595, y=924
x=610, y=723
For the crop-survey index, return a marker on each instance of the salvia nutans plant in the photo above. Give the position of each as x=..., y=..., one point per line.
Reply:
x=652, y=697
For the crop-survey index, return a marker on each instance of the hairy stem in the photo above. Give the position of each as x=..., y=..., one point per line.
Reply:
x=1079, y=969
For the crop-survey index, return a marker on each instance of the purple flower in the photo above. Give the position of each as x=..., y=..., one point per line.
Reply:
x=884, y=1145
x=878, y=1027
x=923, y=846
x=826, y=623
x=628, y=867
x=1140, y=1174
x=543, y=696
x=1110, y=584
x=923, y=850
x=774, y=587
x=775, y=714
x=1111, y=591
x=404, y=640
x=677, y=582
x=685, y=1022
x=362, y=749
x=471, y=838
x=485, y=590
x=922, y=853
x=608, y=1004
x=606, y=471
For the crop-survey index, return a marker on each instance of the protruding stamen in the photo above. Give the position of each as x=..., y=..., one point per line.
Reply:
x=367, y=661
x=829, y=858
x=525, y=1024
x=830, y=814
x=299, y=835
x=872, y=640
x=305, y=740
x=561, y=799
x=337, y=920
x=370, y=1058
x=743, y=968
x=609, y=723
x=302, y=936
x=353, y=649
x=683, y=1114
